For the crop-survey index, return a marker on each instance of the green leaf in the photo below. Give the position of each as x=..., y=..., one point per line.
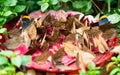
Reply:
x=96, y=72
x=16, y=61
x=118, y=65
x=119, y=35
x=91, y=66
x=20, y=8
x=10, y=68
x=45, y=1
x=82, y=72
x=3, y=60
x=25, y=59
x=65, y=0
x=114, y=18
x=19, y=73
x=92, y=72
x=97, y=16
x=44, y=7
x=54, y=2
x=2, y=1
x=118, y=73
x=89, y=6
x=56, y=7
x=3, y=30
x=79, y=4
x=114, y=58
x=114, y=71
x=1, y=19
x=7, y=13
x=3, y=22
x=30, y=3
x=7, y=53
x=40, y=2
x=10, y=2
x=118, y=57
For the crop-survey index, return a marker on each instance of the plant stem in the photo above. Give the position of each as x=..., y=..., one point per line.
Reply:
x=109, y=8
x=118, y=3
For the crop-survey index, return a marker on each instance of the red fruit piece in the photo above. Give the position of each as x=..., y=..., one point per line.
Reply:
x=101, y=59
x=4, y=38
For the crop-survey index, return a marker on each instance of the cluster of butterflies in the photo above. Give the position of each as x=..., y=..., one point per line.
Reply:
x=102, y=19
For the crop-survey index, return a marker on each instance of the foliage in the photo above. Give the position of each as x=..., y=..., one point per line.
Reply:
x=116, y=63
x=92, y=70
x=10, y=60
x=83, y=6
x=8, y=10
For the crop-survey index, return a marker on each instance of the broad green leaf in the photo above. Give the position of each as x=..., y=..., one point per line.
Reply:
x=30, y=3
x=114, y=58
x=118, y=73
x=1, y=19
x=97, y=72
x=6, y=53
x=97, y=16
x=118, y=57
x=19, y=73
x=65, y=0
x=3, y=22
x=79, y=4
x=2, y=1
x=44, y=7
x=10, y=2
x=45, y=1
x=25, y=59
x=40, y=2
x=118, y=65
x=3, y=60
x=88, y=6
x=119, y=35
x=91, y=66
x=10, y=68
x=114, y=18
x=57, y=7
x=54, y=2
x=114, y=71
x=119, y=9
x=22, y=2
x=82, y=72
x=7, y=13
x=20, y=8
x=16, y=61
x=92, y=72
x=3, y=30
